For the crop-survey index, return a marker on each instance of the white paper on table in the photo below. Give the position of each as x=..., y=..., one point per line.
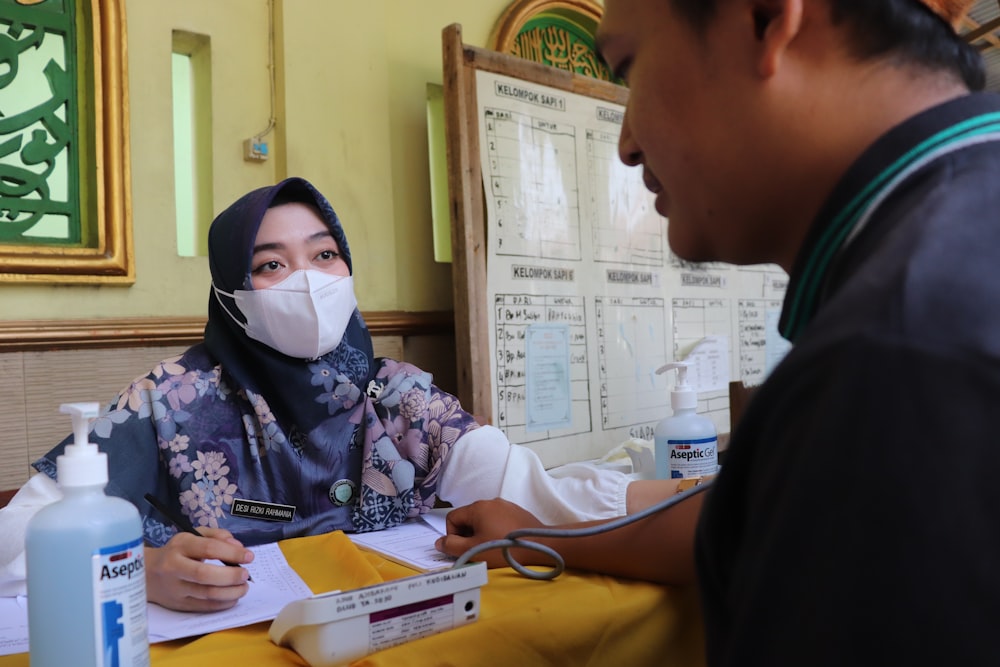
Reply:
x=13, y=625
x=410, y=543
x=274, y=585
x=437, y=519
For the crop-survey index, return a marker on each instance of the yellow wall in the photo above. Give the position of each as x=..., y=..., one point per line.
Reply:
x=351, y=111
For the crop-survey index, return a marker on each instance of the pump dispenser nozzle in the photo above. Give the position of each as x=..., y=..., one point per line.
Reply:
x=81, y=464
x=683, y=397
x=81, y=414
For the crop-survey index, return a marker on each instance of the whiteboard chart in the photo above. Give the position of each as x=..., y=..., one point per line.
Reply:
x=567, y=296
x=575, y=242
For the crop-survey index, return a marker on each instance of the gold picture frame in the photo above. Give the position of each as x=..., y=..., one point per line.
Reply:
x=105, y=255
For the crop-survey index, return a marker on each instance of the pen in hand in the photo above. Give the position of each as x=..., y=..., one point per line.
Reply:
x=180, y=523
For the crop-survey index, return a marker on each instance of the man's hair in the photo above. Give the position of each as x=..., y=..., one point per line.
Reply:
x=905, y=30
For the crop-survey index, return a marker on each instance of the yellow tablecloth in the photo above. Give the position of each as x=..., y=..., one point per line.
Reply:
x=578, y=619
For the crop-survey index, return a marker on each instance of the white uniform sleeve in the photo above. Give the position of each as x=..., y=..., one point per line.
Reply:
x=483, y=464
x=38, y=492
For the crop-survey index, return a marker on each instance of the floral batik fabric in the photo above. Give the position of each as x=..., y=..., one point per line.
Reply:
x=183, y=433
x=410, y=427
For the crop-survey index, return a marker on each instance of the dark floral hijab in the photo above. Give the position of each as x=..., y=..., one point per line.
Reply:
x=284, y=382
x=403, y=425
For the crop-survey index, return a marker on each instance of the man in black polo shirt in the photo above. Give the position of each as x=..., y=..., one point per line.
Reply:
x=856, y=520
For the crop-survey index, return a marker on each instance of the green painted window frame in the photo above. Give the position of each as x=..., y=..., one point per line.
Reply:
x=87, y=117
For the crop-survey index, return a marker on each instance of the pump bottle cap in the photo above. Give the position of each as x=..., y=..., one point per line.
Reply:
x=683, y=396
x=81, y=464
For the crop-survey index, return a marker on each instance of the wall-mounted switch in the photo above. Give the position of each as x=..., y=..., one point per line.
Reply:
x=254, y=150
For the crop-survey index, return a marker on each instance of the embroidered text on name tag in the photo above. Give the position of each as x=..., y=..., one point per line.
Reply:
x=254, y=509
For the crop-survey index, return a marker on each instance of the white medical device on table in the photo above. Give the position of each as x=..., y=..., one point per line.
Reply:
x=335, y=628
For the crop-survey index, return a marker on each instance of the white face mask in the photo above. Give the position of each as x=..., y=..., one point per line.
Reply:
x=303, y=316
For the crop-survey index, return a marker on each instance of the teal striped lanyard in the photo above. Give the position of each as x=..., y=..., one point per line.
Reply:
x=803, y=301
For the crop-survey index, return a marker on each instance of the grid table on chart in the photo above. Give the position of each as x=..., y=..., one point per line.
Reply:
x=625, y=226
x=632, y=345
x=752, y=316
x=514, y=314
x=695, y=319
x=532, y=181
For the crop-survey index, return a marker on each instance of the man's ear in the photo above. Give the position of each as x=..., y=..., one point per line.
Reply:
x=776, y=24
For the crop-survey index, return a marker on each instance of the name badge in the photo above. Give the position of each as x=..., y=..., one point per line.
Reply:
x=255, y=509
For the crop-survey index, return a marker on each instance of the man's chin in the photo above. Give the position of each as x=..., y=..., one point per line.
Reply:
x=686, y=248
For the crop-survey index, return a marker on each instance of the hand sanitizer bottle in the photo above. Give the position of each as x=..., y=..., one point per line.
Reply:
x=684, y=444
x=86, y=574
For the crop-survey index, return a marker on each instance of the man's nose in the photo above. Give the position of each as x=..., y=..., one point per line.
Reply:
x=628, y=149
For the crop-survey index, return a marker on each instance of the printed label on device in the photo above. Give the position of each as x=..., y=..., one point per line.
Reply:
x=411, y=621
x=339, y=627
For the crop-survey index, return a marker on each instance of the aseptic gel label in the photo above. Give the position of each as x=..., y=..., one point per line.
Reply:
x=693, y=458
x=120, y=605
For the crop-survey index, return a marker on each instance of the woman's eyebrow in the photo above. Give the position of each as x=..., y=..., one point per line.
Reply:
x=278, y=245
x=268, y=246
x=320, y=236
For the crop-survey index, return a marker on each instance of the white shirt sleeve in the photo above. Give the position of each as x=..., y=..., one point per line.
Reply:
x=483, y=464
x=38, y=492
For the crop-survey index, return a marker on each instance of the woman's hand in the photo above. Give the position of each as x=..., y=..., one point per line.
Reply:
x=178, y=578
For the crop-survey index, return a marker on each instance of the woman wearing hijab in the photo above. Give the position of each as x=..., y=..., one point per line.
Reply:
x=282, y=423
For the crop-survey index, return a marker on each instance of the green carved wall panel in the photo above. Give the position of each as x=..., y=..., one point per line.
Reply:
x=39, y=130
x=64, y=183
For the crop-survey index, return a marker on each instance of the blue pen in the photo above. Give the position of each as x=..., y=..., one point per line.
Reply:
x=180, y=523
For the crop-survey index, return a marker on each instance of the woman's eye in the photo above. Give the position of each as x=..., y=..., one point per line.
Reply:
x=266, y=267
x=329, y=255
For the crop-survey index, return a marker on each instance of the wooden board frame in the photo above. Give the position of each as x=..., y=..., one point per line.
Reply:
x=467, y=203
